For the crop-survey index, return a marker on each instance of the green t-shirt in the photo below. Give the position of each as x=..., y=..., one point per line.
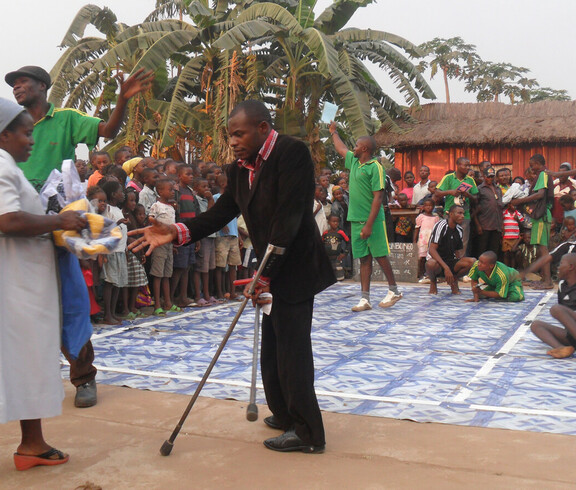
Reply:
x=55, y=138
x=500, y=280
x=365, y=178
x=450, y=182
x=542, y=183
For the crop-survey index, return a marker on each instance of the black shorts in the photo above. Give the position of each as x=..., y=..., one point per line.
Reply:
x=570, y=339
x=451, y=263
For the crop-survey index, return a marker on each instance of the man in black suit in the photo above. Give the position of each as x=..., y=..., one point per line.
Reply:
x=272, y=184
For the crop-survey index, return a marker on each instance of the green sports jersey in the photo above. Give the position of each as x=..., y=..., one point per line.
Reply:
x=450, y=182
x=365, y=179
x=542, y=182
x=55, y=138
x=503, y=279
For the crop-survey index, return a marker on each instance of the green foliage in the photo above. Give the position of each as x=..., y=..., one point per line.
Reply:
x=210, y=54
x=489, y=81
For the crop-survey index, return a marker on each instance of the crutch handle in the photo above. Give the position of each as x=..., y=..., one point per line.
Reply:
x=242, y=282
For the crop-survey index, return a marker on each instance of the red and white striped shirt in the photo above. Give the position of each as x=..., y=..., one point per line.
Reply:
x=511, y=224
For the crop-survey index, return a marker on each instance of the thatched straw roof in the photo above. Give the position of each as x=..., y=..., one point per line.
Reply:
x=486, y=124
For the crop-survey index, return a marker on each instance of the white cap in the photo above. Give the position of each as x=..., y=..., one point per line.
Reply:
x=8, y=112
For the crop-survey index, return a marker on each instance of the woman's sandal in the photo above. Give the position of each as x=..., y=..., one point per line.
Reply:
x=25, y=461
x=175, y=308
x=159, y=312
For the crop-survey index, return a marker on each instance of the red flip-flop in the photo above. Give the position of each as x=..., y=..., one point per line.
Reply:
x=25, y=461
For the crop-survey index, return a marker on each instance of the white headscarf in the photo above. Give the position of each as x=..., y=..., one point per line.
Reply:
x=8, y=112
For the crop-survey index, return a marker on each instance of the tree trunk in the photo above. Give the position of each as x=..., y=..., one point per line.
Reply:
x=444, y=71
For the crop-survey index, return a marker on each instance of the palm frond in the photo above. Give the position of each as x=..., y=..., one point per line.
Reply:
x=102, y=18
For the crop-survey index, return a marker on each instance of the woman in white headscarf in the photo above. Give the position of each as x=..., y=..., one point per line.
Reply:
x=30, y=381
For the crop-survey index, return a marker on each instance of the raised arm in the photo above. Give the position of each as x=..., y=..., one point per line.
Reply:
x=339, y=145
x=136, y=83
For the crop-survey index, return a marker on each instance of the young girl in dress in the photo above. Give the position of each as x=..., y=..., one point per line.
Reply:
x=425, y=221
x=136, y=273
x=115, y=268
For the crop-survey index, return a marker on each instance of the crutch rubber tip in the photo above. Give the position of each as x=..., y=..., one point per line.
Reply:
x=166, y=448
x=252, y=412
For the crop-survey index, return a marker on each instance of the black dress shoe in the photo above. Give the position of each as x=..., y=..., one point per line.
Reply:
x=272, y=422
x=289, y=441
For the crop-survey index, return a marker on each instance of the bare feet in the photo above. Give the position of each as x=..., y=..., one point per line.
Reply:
x=433, y=289
x=111, y=321
x=455, y=289
x=561, y=352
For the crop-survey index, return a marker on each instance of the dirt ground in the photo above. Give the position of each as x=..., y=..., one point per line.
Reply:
x=115, y=445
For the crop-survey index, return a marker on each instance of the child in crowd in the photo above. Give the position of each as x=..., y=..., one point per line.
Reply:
x=112, y=172
x=82, y=170
x=115, y=267
x=136, y=273
x=121, y=155
x=569, y=229
x=134, y=168
x=525, y=253
x=343, y=183
x=171, y=170
x=404, y=227
x=425, y=221
x=187, y=207
x=162, y=257
x=324, y=181
x=326, y=203
x=511, y=236
x=206, y=257
x=567, y=203
x=409, y=189
x=431, y=189
x=340, y=208
x=97, y=198
x=148, y=195
x=98, y=160
x=319, y=214
x=227, y=250
x=336, y=244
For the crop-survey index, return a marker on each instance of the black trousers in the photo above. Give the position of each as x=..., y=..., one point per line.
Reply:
x=288, y=369
x=488, y=240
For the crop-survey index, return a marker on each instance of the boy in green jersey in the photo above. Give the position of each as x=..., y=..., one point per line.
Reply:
x=366, y=215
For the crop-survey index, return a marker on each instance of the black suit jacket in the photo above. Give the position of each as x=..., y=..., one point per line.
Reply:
x=277, y=210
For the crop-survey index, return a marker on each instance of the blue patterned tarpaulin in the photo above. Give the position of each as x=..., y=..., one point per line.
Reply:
x=428, y=358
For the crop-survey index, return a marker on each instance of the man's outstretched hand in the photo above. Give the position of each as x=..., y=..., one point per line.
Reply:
x=134, y=84
x=155, y=235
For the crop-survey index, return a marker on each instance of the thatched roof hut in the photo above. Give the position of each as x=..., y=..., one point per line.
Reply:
x=504, y=134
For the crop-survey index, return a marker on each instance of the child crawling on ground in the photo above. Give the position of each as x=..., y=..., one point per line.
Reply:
x=561, y=339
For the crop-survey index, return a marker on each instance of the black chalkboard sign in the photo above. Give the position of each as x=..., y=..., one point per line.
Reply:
x=404, y=260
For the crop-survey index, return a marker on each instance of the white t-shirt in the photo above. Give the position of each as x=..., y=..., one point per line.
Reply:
x=115, y=214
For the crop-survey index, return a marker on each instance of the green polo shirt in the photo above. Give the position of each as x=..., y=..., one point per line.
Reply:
x=55, y=138
x=503, y=279
x=450, y=182
x=365, y=178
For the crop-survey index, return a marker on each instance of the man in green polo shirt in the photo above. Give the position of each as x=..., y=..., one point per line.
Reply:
x=58, y=131
x=56, y=134
x=459, y=188
x=502, y=282
x=366, y=215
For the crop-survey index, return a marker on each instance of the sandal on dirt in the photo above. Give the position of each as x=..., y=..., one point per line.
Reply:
x=25, y=462
x=159, y=312
x=175, y=308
